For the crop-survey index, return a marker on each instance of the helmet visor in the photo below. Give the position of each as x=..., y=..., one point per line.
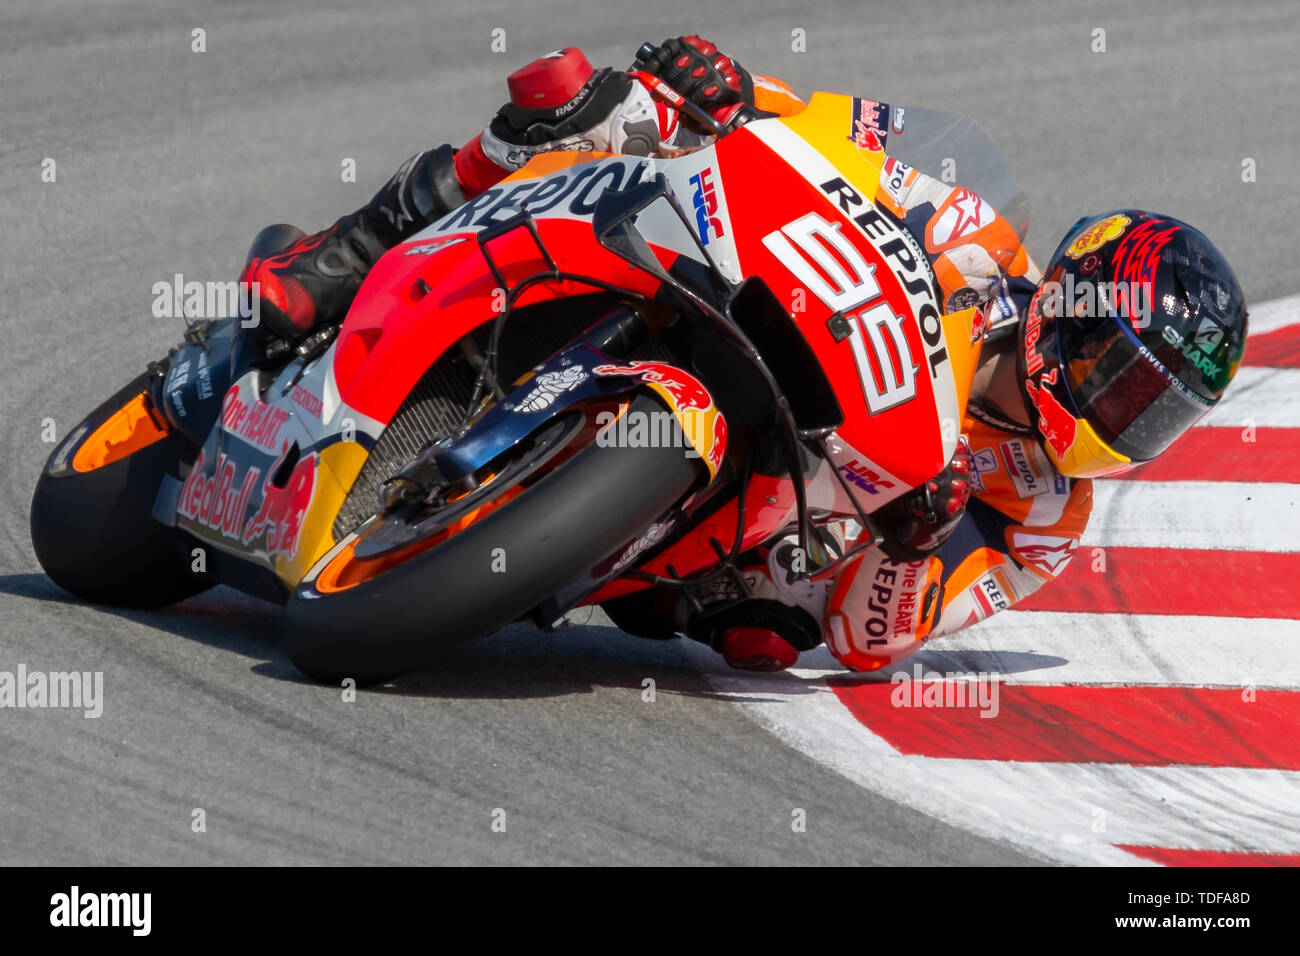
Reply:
x=1136, y=405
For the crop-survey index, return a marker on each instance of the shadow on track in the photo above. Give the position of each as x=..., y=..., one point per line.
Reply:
x=519, y=661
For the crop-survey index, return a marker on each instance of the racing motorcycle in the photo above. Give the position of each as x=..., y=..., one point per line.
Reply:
x=606, y=375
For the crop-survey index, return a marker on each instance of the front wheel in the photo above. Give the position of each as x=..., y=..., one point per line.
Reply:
x=373, y=613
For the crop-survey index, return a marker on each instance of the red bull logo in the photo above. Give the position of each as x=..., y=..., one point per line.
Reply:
x=282, y=509
x=868, y=128
x=216, y=502
x=719, y=445
x=686, y=390
x=1033, y=332
x=1055, y=421
x=701, y=422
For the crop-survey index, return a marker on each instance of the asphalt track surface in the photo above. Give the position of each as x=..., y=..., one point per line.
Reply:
x=168, y=161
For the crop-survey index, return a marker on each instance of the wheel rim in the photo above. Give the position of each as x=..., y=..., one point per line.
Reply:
x=356, y=561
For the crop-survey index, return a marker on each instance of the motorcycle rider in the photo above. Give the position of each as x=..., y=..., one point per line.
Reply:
x=1065, y=391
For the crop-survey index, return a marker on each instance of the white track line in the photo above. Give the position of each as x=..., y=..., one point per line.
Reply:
x=1273, y=315
x=1220, y=515
x=806, y=715
x=1071, y=812
x=1076, y=812
x=1263, y=397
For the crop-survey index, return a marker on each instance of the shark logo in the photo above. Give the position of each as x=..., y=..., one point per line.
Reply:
x=1208, y=336
x=1199, y=351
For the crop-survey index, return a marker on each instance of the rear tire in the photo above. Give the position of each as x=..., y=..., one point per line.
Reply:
x=94, y=533
x=449, y=596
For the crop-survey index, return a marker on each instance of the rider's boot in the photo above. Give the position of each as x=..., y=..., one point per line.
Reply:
x=765, y=625
x=558, y=102
x=311, y=282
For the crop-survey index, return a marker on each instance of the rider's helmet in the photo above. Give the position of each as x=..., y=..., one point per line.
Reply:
x=1137, y=328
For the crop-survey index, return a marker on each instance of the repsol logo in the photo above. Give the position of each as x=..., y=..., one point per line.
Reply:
x=576, y=189
x=882, y=606
x=882, y=592
x=905, y=260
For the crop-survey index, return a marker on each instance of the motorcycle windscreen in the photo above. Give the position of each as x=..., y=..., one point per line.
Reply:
x=898, y=444
x=958, y=152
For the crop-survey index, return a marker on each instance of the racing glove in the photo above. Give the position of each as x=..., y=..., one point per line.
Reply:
x=916, y=524
x=705, y=76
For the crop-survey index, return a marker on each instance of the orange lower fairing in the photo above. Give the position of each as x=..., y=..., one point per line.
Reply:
x=125, y=432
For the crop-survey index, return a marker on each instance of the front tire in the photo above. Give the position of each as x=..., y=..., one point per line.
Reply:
x=492, y=572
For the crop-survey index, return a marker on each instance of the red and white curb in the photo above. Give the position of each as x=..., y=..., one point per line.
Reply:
x=1148, y=701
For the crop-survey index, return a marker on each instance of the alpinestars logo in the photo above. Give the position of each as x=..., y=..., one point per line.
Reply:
x=1046, y=553
x=551, y=385
x=432, y=245
x=961, y=215
x=985, y=462
x=401, y=215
